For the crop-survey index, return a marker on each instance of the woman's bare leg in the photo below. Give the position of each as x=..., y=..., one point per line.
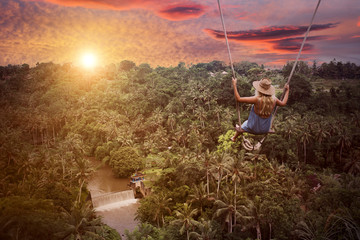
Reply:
x=239, y=131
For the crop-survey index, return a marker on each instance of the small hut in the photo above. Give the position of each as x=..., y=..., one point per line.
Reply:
x=136, y=179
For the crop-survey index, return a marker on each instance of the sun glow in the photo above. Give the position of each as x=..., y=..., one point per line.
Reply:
x=88, y=60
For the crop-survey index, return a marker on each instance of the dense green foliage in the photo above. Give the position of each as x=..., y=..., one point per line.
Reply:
x=304, y=181
x=125, y=161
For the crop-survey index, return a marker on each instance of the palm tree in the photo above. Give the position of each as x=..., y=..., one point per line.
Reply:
x=305, y=232
x=228, y=114
x=161, y=202
x=171, y=121
x=80, y=221
x=207, y=164
x=200, y=113
x=293, y=186
x=338, y=226
x=255, y=214
x=218, y=110
x=74, y=145
x=206, y=230
x=181, y=136
x=321, y=132
x=208, y=97
x=344, y=140
x=199, y=195
x=226, y=209
x=353, y=165
x=255, y=159
x=185, y=219
x=144, y=231
x=195, y=128
x=289, y=125
x=158, y=116
x=305, y=139
x=237, y=171
x=83, y=172
x=219, y=167
x=277, y=171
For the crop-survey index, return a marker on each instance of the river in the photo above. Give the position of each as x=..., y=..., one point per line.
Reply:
x=112, y=199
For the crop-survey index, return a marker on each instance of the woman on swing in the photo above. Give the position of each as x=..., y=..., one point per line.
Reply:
x=264, y=101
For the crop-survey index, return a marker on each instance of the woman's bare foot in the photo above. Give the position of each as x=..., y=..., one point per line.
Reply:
x=271, y=130
x=239, y=129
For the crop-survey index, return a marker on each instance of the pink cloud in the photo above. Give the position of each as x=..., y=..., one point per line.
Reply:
x=294, y=44
x=242, y=15
x=267, y=33
x=181, y=12
x=274, y=38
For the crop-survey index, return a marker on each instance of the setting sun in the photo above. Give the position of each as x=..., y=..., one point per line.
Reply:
x=88, y=60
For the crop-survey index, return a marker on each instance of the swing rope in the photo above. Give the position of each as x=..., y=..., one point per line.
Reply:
x=230, y=58
x=297, y=58
x=247, y=144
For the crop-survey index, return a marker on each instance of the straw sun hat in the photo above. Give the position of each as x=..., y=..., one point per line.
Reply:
x=264, y=86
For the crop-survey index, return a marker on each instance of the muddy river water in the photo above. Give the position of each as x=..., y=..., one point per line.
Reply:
x=113, y=199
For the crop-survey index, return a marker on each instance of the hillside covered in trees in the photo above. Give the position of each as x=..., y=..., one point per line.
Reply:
x=302, y=184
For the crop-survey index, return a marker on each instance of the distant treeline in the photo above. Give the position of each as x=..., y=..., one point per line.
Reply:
x=332, y=70
x=337, y=70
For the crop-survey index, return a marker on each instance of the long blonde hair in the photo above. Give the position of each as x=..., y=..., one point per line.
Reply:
x=267, y=103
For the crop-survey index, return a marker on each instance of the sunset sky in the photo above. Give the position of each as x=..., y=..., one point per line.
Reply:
x=165, y=32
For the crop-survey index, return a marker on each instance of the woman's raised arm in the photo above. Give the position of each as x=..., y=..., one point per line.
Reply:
x=286, y=97
x=252, y=99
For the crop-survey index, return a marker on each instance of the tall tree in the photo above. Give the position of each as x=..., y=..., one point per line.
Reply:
x=255, y=215
x=207, y=231
x=161, y=203
x=185, y=218
x=238, y=171
x=226, y=209
x=219, y=167
x=199, y=196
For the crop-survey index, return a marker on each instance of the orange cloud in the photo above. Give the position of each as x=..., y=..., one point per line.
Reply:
x=162, y=8
x=358, y=23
